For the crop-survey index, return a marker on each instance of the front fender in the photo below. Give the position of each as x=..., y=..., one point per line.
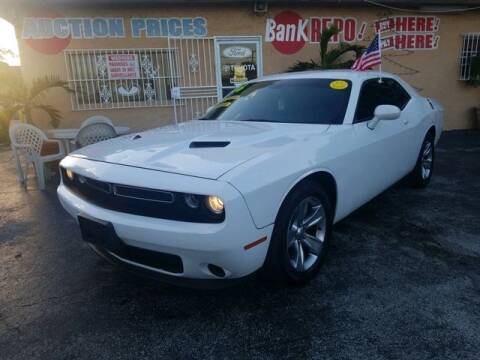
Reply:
x=265, y=181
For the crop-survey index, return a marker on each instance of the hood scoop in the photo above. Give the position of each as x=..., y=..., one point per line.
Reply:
x=208, y=144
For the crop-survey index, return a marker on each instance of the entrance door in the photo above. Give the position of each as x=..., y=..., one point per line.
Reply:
x=204, y=70
x=193, y=76
x=238, y=59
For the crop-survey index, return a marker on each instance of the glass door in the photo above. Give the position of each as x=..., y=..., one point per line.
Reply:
x=238, y=59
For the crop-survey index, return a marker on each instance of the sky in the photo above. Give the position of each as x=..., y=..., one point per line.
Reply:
x=9, y=41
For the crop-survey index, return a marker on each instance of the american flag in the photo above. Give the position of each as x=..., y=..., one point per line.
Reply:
x=371, y=57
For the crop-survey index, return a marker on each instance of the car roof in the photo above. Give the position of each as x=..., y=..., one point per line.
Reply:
x=329, y=74
x=356, y=77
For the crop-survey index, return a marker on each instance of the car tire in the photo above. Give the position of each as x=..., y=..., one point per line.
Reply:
x=294, y=257
x=422, y=173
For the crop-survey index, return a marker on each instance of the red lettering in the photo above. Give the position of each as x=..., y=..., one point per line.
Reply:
x=401, y=23
x=411, y=23
x=429, y=41
x=400, y=42
x=326, y=23
x=391, y=24
x=338, y=23
x=410, y=41
x=385, y=24
x=421, y=24
x=430, y=22
x=388, y=43
x=420, y=42
x=350, y=30
x=315, y=29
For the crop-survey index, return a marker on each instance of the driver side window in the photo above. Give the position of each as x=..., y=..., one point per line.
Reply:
x=375, y=93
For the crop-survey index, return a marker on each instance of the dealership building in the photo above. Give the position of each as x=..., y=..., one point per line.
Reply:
x=148, y=63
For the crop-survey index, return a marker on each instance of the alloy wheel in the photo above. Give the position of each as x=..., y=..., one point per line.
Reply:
x=427, y=160
x=306, y=234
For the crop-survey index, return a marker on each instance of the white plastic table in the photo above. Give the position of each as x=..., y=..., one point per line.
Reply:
x=67, y=135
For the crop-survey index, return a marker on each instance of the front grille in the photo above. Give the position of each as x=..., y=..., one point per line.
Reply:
x=140, y=201
x=103, y=236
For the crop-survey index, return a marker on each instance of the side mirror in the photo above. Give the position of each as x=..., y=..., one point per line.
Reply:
x=384, y=112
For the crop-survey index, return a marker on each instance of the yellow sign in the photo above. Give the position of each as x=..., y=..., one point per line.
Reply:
x=339, y=85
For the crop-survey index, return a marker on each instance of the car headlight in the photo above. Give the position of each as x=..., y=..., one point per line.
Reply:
x=149, y=202
x=69, y=174
x=215, y=204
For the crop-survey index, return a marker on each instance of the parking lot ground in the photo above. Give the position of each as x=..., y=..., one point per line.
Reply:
x=402, y=281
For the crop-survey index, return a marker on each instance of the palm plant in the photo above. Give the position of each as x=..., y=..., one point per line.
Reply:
x=330, y=59
x=17, y=98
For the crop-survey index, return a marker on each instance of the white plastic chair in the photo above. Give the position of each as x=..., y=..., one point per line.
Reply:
x=94, y=133
x=32, y=143
x=96, y=120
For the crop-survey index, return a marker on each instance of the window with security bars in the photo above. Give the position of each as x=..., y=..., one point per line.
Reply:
x=120, y=78
x=470, y=49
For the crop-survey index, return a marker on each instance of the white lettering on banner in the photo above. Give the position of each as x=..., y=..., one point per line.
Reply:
x=77, y=28
x=164, y=27
x=270, y=30
x=286, y=32
x=41, y=28
x=123, y=66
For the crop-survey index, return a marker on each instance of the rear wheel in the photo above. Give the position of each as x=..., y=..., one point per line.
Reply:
x=301, y=235
x=422, y=173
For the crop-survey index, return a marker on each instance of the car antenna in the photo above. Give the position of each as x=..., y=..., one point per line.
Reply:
x=379, y=34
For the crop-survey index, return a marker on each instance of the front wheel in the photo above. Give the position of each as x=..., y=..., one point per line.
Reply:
x=422, y=173
x=301, y=235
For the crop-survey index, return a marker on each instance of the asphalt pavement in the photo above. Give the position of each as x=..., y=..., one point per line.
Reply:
x=401, y=281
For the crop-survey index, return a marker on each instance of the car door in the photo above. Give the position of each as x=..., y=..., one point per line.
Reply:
x=381, y=156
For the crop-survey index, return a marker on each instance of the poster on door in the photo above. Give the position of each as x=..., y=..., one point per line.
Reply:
x=238, y=64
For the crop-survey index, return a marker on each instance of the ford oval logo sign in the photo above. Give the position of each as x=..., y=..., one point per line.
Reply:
x=237, y=52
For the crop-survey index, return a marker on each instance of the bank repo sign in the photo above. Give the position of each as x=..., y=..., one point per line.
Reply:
x=289, y=32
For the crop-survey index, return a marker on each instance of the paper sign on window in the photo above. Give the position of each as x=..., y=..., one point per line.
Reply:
x=123, y=66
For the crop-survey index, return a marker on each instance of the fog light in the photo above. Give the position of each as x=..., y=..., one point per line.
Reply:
x=216, y=270
x=70, y=174
x=192, y=201
x=215, y=204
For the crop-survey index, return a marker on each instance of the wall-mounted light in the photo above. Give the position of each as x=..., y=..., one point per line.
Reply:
x=260, y=7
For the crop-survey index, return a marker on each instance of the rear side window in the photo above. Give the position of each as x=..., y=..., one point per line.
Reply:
x=375, y=93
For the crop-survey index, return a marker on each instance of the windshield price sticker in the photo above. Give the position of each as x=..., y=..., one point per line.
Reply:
x=339, y=85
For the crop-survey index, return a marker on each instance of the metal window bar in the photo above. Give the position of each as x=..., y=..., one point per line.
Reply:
x=470, y=48
x=196, y=87
x=94, y=90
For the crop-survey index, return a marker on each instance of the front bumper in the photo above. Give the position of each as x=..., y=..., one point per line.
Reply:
x=197, y=245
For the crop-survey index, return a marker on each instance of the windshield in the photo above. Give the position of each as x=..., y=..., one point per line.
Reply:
x=306, y=101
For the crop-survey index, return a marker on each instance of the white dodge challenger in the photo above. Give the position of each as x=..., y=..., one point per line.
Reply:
x=258, y=182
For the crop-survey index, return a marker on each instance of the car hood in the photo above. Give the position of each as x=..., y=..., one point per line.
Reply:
x=206, y=149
